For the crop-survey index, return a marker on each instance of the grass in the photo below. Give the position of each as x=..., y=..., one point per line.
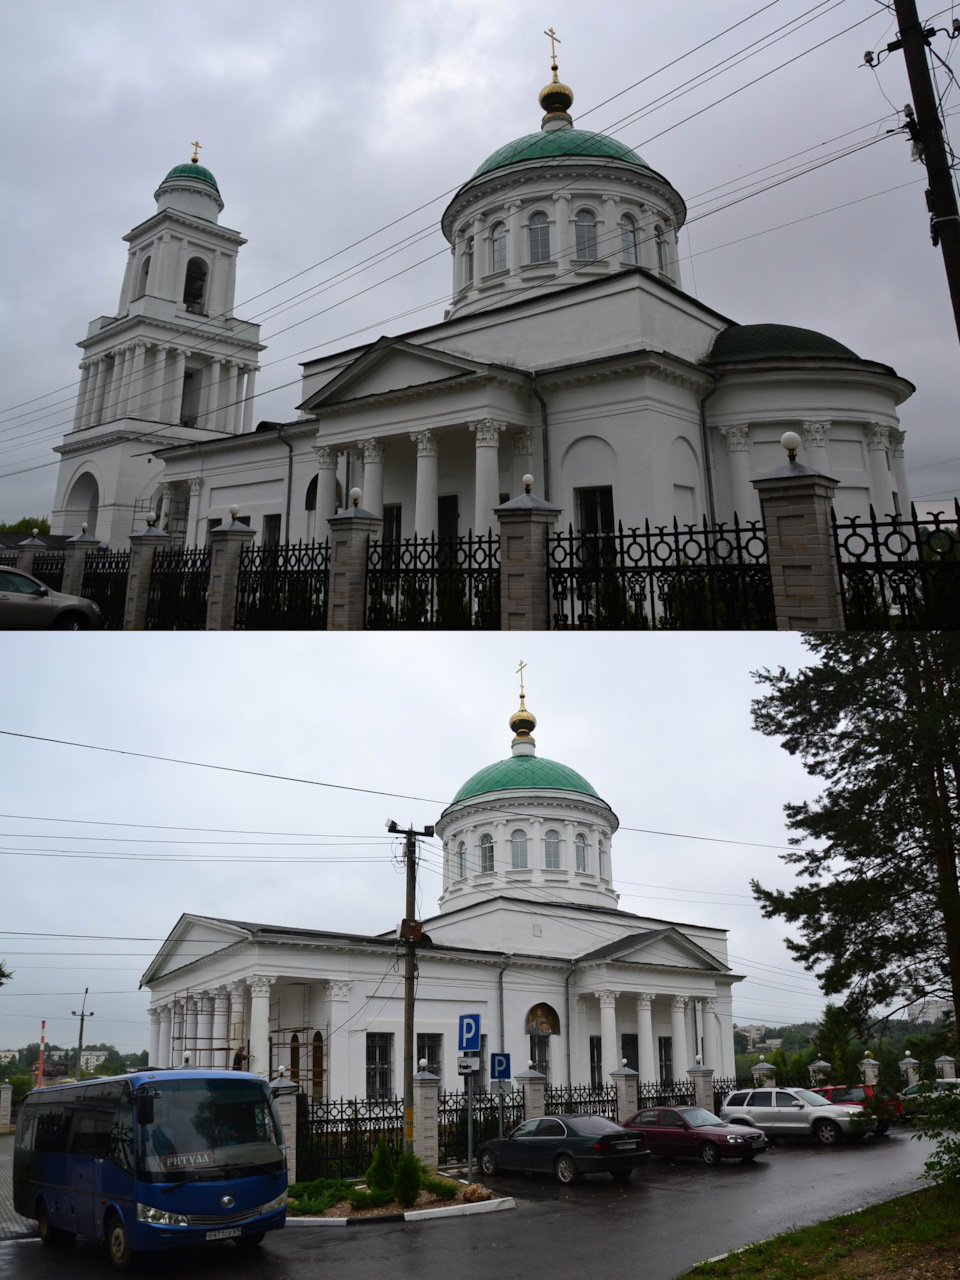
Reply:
x=913, y=1236
x=323, y=1193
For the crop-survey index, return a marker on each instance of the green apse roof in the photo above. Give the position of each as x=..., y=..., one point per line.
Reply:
x=559, y=142
x=190, y=170
x=774, y=341
x=524, y=773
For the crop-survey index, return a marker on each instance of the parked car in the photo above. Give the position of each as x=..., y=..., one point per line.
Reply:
x=567, y=1146
x=914, y=1097
x=889, y=1106
x=795, y=1113
x=694, y=1131
x=26, y=602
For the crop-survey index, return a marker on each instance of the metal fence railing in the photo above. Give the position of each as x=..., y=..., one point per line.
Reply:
x=453, y=1126
x=283, y=588
x=336, y=1137
x=48, y=567
x=432, y=584
x=581, y=1100
x=177, y=599
x=105, y=576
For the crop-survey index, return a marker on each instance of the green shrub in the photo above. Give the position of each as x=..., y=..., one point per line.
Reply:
x=383, y=1170
x=21, y=1087
x=320, y=1195
x=407, y=1184
x=440, y=1187
x=360, y=1199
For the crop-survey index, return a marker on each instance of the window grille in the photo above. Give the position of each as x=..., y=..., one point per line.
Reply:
x=430, y=1046
x=596, y=1062
x=379, y=1065
x=540, y=1054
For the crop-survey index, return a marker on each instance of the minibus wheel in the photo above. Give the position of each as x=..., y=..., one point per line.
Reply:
x=49, y=1234
x=118, y=1244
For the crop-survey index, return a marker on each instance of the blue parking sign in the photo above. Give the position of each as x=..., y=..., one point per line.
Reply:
x=469, y=1033
x=499, y=1066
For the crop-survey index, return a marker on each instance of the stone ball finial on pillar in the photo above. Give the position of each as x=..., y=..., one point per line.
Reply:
x=791, y=442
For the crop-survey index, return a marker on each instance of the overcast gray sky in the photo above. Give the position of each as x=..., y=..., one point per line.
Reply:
x=659, y=724
x=325, y=122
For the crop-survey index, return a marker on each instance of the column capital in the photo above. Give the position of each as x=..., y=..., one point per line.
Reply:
x=426, y=443
x=326, y=456
x=709, y=1003
x=339, y=990
x=680, y=1003
x=523, y=443
x=237, y=990
x=372, y=450
x=897, y=438
x=487, y=430
x=815, y=433
x=608, y=999
x=644, y=1000
x=878, y=436
x=154, y=1013
x=737, y=437
x=195, y=482
x=260, y=985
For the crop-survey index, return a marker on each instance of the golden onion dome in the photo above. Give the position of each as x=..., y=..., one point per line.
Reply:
x=523, y=722
x=556, y=96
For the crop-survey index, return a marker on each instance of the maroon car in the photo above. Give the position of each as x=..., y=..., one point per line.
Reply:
x=888, y=1105
x=694, y=1131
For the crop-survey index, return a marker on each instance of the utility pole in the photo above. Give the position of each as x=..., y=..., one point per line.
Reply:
x=411, y=931
x=926, y=130
x=82, y=1015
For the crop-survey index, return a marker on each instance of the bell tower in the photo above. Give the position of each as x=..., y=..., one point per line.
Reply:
x=173, y=365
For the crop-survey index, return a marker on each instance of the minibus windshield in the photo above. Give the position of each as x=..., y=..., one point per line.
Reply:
x=216, y=1128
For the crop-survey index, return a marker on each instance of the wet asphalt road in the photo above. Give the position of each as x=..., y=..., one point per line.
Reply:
x=671, y=1215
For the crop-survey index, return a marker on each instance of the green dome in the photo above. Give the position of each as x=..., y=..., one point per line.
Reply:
x=559, y=142
x=774, y=342
x=524, y=773
x=190, y=170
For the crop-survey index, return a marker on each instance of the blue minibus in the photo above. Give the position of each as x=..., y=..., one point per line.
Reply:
x=152, y=1160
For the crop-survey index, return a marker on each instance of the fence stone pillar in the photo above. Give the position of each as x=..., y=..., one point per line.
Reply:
x=534, y=1085
x=143, y=547
x=350, y=533
x=628, y=1094
x=75, y=559
x=820, y=1072
x=702, y=1078
x=6, y=1108
x=285, y=1093
x=27, y=549
x=764, y=1073
x=796, y=504
x=910, y=1070
x=226, y=546
x=946, y=1067
x=426, y=1116
x=525, y=526
x=869, y=1070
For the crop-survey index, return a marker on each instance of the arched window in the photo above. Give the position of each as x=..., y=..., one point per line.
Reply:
x=580, y=844
x=316, y=1064
x=586, y=225
x=295, y=1057
x=468, y=260
x=461, y=861
x=540, y=1024
x=661, y=239
x=498, y=247
x=486, y=854
x=144, y=275
x=518, y=850
x=539, y=227
x=628, y=239
x=195, y=286
x=551, y=850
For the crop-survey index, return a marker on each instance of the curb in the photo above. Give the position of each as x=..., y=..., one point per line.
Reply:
x=412, y=1215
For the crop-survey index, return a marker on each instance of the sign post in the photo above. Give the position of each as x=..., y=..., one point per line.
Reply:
x=469, y=1044
x=500, y=1071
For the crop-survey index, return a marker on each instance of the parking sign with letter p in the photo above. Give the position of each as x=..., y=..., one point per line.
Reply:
x=469, y=1033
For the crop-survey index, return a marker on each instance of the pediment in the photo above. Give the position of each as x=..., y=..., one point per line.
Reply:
x=391, y=365
x=193, y=938
x=667, y=947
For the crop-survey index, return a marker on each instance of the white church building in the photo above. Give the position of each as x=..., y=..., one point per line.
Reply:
x=569, y=351
x=528, y=935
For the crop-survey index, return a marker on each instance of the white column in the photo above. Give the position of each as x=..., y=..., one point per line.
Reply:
x=522, y=460
x=248, y=400
x=190, y=1030
x=564, y=248
x=178, y=1025
x=138, y=383
x=99, y=391
x=372, y=451
x=337, y=1081
x=220, y=1051
x=193, y=511
x=901, y=483
x=711, y=1035
x=487, y=484
x=211, y=417
x=230, y=396
x=608, y=233
x=158, y=386
x=609, y=1047
x=153, y=1050
x=235, y=414
x=678, y=1029
x=514, y=237
x=238, y=998
x=260, y=1024
x=176, y=389
x=881, y=486
x=326, y=488
x=163, y=518
x=80, y=412
x=425, y=511
x=816, y=446
x=116, y=383
x=204, y=1030
x=742, y=492
x=647, y=1059
x=126, y=378
x=164, y=1059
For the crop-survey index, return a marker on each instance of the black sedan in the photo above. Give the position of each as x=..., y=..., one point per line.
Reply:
x=566, y=1146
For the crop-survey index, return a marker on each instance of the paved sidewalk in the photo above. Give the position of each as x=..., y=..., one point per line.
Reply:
x=11, y=1224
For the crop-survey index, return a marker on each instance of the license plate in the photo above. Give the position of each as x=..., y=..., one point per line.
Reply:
x=225, y=1233
x=626, y=1146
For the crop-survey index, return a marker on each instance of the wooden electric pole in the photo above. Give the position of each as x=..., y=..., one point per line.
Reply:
x=82, y=1015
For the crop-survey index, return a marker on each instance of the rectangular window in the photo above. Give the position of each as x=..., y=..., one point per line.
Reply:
x=630, y=1049
x=596, y=1063
x=379, y=1065
x=391, y=522
x=271, y=531
x=594, y=509
x=666, y=1059
x=551, y=851
x=539, y=239
x=486, y=855
x=518, y=851
x=540, y=1054
x=430, y=1046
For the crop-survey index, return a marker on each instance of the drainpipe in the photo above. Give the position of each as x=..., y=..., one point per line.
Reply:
x=286, y=523
x=705, y=446
x=503, y=968
x=566, y=1014
x=543, y=434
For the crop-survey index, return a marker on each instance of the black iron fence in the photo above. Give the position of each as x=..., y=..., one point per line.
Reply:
x=684, y=578
x=105, y=581
x=453, y=1127
x=283, y=588
x=8, y=559
x=48, y=567
x=581, y=1100
x=666, y=1093
x=336, y=1137
x=429, y=584
x=902, y=573
x=177, y=600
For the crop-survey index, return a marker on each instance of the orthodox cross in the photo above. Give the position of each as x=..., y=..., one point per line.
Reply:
x=553, y=38
x=520, y=674
x=197, y=149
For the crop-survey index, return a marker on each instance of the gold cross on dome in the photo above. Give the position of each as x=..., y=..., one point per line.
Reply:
x=196, y=152
x=553, y=38
x=520, y=674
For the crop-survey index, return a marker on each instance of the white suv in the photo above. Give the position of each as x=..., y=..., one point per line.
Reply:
x=795, y=1113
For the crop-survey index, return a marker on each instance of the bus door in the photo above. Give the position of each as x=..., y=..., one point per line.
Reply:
x=111, y=1106
x=81, y=1165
